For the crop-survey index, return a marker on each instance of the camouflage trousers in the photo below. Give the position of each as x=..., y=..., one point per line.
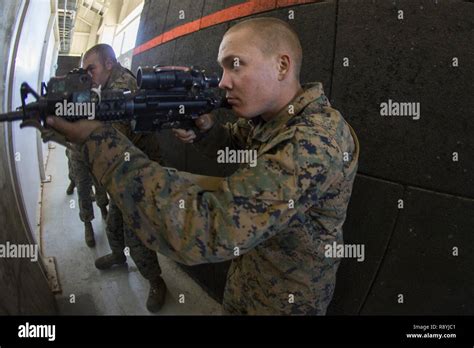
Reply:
x=80, y=174
x=120, y=235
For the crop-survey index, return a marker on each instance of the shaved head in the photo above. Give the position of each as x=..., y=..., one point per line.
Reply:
x=105, y=52
x=273, y=37
x=261, y=62
x=99, y=62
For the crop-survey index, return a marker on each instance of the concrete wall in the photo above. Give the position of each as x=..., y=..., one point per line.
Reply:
x=23, y=286
x=409, y=250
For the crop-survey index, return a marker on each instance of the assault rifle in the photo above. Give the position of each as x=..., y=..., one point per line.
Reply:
x=168, y=97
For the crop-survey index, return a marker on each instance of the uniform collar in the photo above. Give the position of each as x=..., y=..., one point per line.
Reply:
x=116, y=70
x=265, y=130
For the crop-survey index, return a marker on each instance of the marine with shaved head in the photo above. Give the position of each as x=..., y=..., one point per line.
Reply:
x=273, y=219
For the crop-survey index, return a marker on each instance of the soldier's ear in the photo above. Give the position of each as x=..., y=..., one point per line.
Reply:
x=283, y=66
x=109, y=64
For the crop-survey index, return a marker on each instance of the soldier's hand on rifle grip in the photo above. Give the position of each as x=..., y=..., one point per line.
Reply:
x=203, y=123
x=76, y=132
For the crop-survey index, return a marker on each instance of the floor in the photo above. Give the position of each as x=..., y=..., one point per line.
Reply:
x=85, y=289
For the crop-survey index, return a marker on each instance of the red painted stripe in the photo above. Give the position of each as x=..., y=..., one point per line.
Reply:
x=286, y=3
x=182, y=30
x=231, y=13
x=234, y=12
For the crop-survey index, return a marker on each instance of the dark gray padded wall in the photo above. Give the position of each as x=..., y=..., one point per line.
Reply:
x=421, y=264
x=409, y=60
x=371, y=217
x=406, y=61
x=190, y=11
x=212, y=6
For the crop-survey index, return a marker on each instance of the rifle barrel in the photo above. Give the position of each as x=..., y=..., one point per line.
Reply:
x=11, y=116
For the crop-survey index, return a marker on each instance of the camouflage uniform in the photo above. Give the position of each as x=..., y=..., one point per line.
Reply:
x=69, y=166
x=80, y=174
x=301, y=157
x=118, y=233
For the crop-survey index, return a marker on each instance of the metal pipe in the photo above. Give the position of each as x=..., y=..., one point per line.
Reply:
x=64, y=22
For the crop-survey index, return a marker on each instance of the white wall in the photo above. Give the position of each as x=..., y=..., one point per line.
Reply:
x=34, y=35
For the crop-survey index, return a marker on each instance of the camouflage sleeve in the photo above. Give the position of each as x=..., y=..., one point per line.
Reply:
x=183, y=221
x=123, y=80
x=231, y=134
